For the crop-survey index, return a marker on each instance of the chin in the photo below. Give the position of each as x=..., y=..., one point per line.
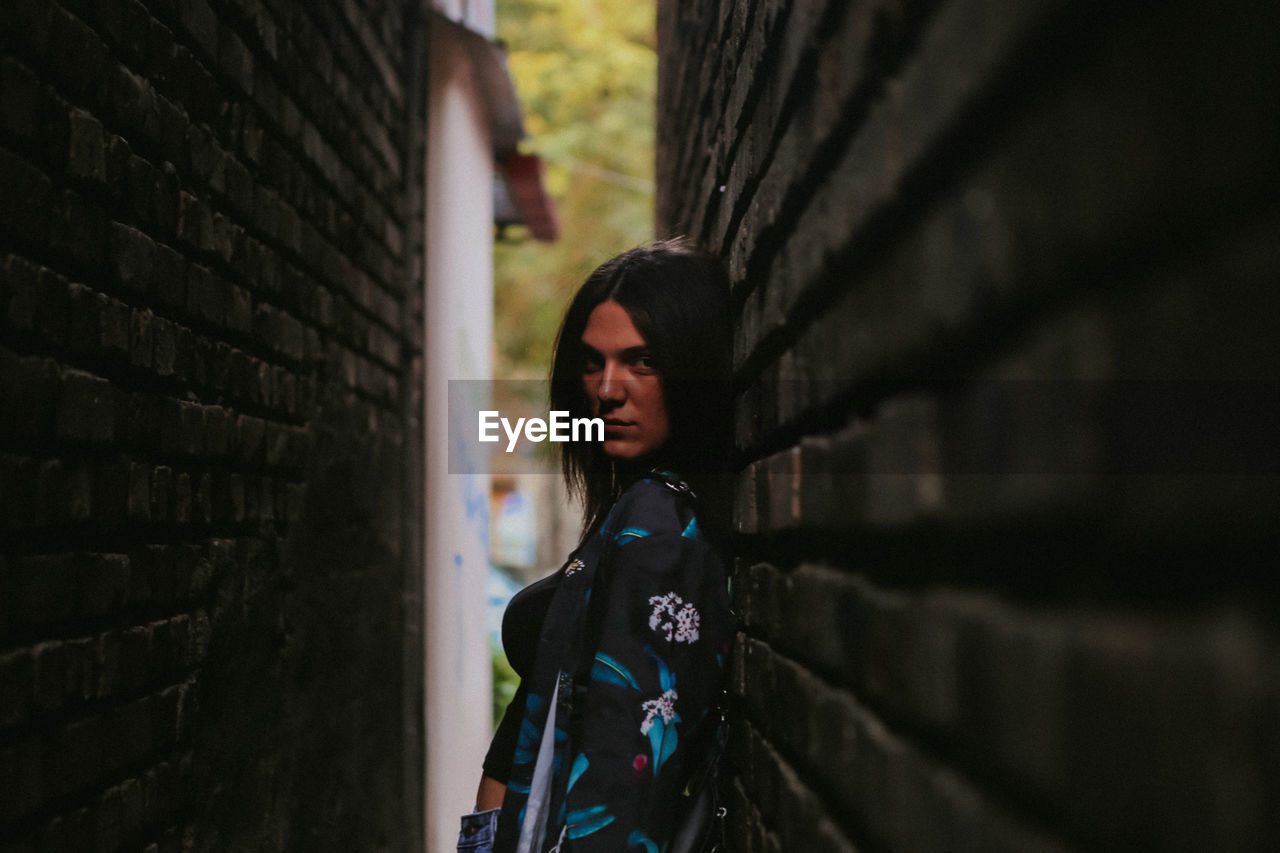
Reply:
x=623, y=451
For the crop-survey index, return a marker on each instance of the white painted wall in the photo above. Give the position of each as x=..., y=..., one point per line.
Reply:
x=475, y=15
x=457, y=345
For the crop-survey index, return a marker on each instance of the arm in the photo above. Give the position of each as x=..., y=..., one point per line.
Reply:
x=497, y=763
x=490, y=793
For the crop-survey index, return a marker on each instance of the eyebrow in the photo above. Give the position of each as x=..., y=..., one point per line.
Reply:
x=629, y=352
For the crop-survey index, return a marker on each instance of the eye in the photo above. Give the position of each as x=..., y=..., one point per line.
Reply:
x=644, y=362
x=591, y=360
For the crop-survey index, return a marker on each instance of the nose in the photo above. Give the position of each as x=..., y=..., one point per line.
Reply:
x=611, y=389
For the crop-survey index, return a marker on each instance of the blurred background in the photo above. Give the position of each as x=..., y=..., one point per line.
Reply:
x=586, y=73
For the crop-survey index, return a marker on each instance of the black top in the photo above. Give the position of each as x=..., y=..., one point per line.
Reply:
x=522, y=622
x=521, y=626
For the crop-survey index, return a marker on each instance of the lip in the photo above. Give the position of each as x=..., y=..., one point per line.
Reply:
x=614, y=422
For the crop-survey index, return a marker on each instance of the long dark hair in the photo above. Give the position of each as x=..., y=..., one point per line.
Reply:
x=678, y=298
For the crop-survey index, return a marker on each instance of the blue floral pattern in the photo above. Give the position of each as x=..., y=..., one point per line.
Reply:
x=663, y=629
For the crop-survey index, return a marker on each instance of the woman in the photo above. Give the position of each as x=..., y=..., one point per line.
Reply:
x=621, y=651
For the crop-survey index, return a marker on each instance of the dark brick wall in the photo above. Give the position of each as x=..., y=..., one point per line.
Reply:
x=1007, y=366
x=203, y=287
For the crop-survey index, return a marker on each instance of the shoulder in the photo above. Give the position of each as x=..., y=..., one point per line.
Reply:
x=649, y=507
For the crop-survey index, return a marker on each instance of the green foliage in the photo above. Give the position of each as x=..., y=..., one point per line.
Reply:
x=505, y=682
x=586, y=73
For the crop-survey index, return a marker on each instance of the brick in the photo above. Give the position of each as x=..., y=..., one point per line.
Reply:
x=131, y=807
x=84, y=319
x=73, y=757
x=86, y=155
x=264, y=323
x=18, y=686
x=263, y=388
x=102, y=584
x=267, y=500
x=170, y=647
x=138, y=421
x=204, y=154
x=195, y=222
x=64, y=674
x=192, y=572
x=217, y=431
x=202, y=503
x=172, y=436
x=54, y=308
x=77, y=55
x=239, y=181
x=31, y=18
x=30, y=388
x=159, y=784
x=240, y=375
x=133, y=256
x=134, y=669
x=207, y=295
x=220, y=366
x=201, y=23
x=78, y=228
x=22, y=789
x=80, y=483
x=171, y=278
x=18, y=283
x=27, y=212
x=39, y=590
x=170, y=125
x=130, y=99
x=110, y=491
x=70, y=832
x=240, y=311
x=17, y=493
x=288, y=392
x=109, y=826
x=164, y=339
x=235, y=509
x=118, y=158
x=107, y=664
x=141, y=338
x=182, y=499
x=288, y=336
x=85, y=409
x=127, y=32
x=127, y=734
x=153, y=568
x=201, y=636
x=24, y=103
x=235, y=61
x=161, y=493
x=114, y=320
x=294, y=500
x=225, y=234
x=250, y=434
x=165, y=200
x=192, y=428
x=138, y=506
x=136, y=187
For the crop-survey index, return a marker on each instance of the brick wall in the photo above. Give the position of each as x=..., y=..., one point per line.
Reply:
x=1007, y=358
x=203, y=286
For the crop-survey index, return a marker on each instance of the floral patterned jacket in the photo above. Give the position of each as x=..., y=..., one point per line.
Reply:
x=646, y=717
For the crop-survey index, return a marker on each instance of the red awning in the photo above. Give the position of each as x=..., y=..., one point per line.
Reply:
x=523, y=176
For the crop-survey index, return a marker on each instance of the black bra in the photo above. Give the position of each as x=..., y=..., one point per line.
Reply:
x=522, y=622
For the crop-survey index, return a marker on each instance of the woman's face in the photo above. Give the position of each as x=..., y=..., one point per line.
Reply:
x=622, y=385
